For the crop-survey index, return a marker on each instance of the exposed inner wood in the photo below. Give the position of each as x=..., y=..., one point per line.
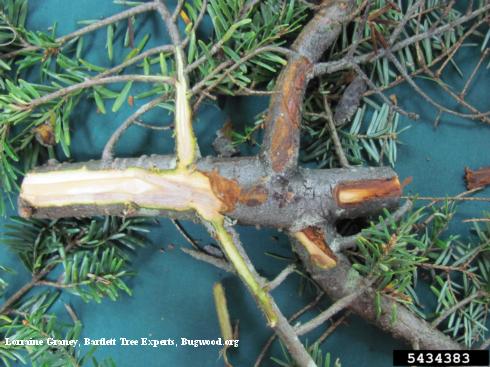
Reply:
x=185, y=138
x=172, y=189
x=208, y=193
x=179, y=190
x=355, y=192
x=313, y=240
x=244, y=270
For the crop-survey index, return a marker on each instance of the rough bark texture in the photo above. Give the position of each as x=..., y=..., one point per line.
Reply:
x=247, y=193
x=344, y=280
x=349, y=102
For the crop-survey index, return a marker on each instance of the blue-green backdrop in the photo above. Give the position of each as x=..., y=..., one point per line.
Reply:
x=173, y=293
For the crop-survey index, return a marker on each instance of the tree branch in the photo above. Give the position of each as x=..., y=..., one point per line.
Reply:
x=24, y=290
x=335, y=308
x=187, y=150
x=343, y=280
x=270, y=191
x=90, y=28
x=234, y=251
x=335, y=137
x=203, y=85
x=36, y=278
x=350, y=101
x=378, y=91
x=281, y=277
x=282, y=126
x=295, y=316
x=344, y=243
x=94, y=82
x=332, y=327
x=347, y=63
x=108, y=151
x=150, y=186
x=152, y=51
x=184, y=234
x=485, y=344
x=401, y=69
x=210, y=259
x=457, y=306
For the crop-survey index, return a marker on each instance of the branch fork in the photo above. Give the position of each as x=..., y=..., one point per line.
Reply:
x=269, y=190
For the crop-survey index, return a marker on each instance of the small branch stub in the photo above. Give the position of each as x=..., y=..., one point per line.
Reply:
x=356, y=192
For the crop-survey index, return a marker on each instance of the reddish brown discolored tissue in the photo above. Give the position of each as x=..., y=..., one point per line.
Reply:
x=288, y=117
x=477, y=179
x=227, y=191
x=283, y=145
x=313, y=239
x=254, y=195
x=25, y=209
x=357, y=192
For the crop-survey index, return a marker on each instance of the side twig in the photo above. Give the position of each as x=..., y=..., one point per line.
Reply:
x=95, y=82
x=294, y=317
x=90, y=28
x=344, y=162
x=335, y=308
x=281, y=277
x=348, y=242
x=210, y=259
x=458, y=306
x=108, y=152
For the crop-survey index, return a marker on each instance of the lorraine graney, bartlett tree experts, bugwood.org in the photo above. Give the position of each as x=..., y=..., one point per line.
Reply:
x=327, y=67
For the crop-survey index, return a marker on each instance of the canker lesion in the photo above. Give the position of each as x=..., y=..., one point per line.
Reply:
x=313, y=240
x=350, y=193
x=286, y=117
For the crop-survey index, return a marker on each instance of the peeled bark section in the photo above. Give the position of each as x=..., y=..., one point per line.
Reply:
x=283, y=137
x=284, y=116
x=313, y=240
x=236, y=187
x=356, y=192
x=132, y=187
x=282, y=125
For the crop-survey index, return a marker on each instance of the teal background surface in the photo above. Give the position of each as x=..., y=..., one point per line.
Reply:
x=172, y=292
